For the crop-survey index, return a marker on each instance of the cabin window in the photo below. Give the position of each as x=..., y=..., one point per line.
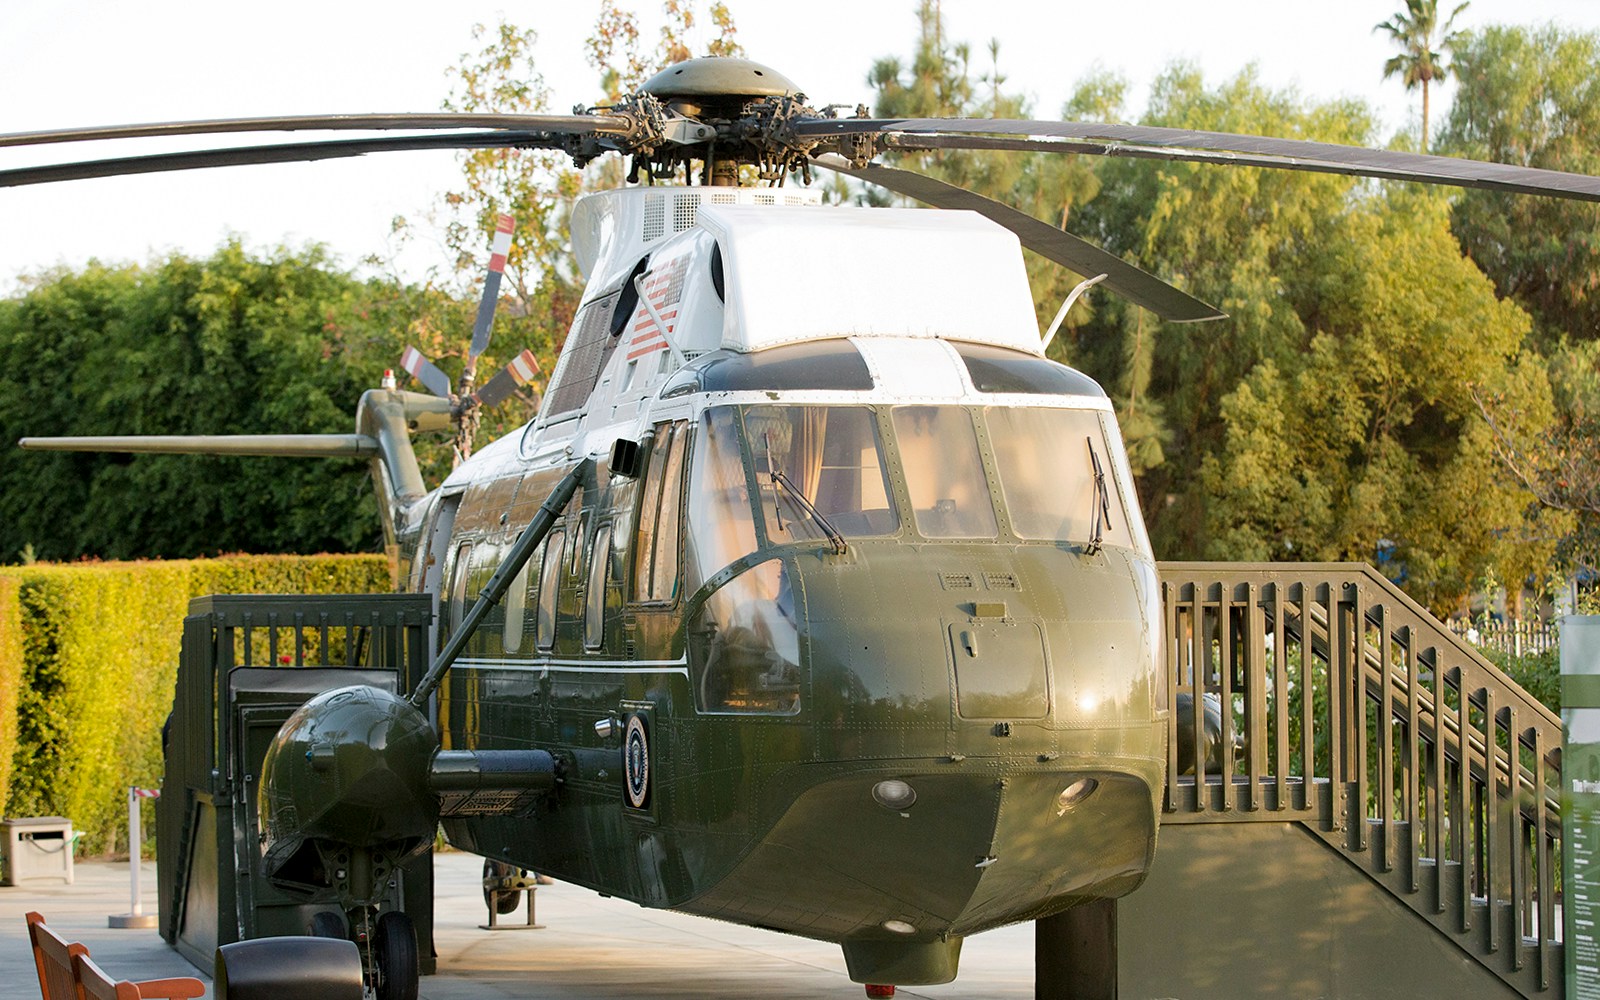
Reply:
x=594, y=620
x=745, y=647
x=830, y=456
x=664, y=575
x=944, y=472
x=516, y=610
x=458, y=585
x=655, y=571
x=1047, y=474
x=549, y=588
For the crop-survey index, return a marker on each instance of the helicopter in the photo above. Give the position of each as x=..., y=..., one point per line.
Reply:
x=814, y=597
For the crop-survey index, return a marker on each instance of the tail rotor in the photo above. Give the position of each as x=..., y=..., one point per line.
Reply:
x=465, y=398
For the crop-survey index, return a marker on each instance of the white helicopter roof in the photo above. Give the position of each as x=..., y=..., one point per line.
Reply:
x=814, y=273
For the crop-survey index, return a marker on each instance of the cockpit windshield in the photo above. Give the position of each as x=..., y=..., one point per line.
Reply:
x=764, y=473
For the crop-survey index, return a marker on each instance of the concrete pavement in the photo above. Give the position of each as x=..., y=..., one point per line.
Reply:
x=590, y=947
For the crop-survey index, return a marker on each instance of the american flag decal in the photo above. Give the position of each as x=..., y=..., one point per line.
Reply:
x=663, y=287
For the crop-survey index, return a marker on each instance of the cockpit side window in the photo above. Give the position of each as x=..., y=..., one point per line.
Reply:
x=1047, y=459
x=720, y=520
x=944, y=472
x=827, y=456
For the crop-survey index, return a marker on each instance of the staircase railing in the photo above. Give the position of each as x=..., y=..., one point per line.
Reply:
x=1324, y=695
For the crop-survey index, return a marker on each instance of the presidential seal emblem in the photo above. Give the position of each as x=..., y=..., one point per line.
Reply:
x=636, y=762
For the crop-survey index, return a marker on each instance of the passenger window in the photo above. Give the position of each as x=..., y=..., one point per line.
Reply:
x=664, y=578
x=458, y=586
x=644, y=537
x=655, y=568
x=944, y=473
x=549, y=585
x=594, y=622
x=516, y=606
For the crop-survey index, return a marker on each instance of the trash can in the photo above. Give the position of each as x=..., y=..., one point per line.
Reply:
x=36, y=847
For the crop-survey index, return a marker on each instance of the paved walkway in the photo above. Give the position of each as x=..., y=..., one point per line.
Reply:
x=590, y=947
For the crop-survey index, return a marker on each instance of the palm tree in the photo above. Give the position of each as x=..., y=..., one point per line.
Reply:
x=1412, y=30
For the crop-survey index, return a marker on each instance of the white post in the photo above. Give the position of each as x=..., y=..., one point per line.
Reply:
x=135, y=918
x=135, y=848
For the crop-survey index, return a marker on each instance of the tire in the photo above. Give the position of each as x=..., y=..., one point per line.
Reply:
x=328, y=924
x=394, y=957
x=502, y=903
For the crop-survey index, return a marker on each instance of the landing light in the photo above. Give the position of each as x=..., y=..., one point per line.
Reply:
x=1075, y=793
x=894, y=794
x=898, y=927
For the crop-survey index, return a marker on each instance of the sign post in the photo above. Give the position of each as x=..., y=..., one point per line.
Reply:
x=1580, y=781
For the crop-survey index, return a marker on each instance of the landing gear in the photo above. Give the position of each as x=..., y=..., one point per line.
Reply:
x=1075, y=953
x=394, y=957
x=500, y=902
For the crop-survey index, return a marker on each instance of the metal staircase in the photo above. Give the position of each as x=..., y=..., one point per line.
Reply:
x=1339, y=704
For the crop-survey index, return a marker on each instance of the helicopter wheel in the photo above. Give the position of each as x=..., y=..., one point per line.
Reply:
x=502, y=903
x=328, y=924
x=394, y=957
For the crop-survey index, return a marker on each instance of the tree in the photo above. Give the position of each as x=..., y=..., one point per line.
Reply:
x=1241, y=238
x=1530, y=96
x=236, y=343
x=1413, y=30
x=1369, y=442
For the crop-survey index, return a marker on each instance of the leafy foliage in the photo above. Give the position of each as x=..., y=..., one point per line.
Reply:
x=1530, y=96
x=1368, y=446
x=10, y=680
x=235, y=343
x=99, y=658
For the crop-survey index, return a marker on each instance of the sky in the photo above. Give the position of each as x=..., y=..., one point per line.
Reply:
x=98, y=62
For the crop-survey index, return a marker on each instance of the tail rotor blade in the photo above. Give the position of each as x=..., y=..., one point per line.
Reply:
x=519, y=372
x=491, y=284
x=426, y=372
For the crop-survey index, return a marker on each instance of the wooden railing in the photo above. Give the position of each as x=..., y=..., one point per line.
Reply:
x=1332, y=699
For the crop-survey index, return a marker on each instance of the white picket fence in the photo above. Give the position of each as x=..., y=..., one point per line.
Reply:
x=1516, y=637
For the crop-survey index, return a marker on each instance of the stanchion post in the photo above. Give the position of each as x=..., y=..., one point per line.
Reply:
x=135, y=917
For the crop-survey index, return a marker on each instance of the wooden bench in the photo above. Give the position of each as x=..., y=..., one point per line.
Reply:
x=67, y=973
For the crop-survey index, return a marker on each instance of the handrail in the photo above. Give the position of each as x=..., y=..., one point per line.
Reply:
x=1345, y=706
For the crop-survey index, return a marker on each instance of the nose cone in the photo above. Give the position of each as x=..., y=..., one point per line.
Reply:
x=981, y=846
x=351, y=766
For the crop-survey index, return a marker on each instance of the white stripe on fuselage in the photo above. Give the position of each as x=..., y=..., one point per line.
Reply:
x=579, y=666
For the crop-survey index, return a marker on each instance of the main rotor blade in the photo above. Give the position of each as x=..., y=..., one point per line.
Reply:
x=1137, y=286
x=569, y=124
x=1204, y=147
x=285, y=153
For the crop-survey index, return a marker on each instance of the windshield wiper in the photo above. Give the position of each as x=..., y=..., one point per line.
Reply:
x=805, y=502
x=1101, y=502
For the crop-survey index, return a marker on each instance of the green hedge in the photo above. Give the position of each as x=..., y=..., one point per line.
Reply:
x=10, y=680
x=99, y=645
